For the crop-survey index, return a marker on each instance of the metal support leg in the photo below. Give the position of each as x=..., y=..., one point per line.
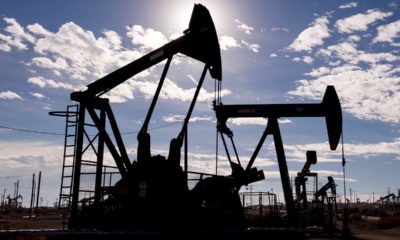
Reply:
x=100, y=153
x=280, y=153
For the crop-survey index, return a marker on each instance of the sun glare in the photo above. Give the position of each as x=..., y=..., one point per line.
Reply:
x=180, y=11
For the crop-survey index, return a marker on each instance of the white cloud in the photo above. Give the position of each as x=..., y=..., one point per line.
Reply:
x=44, y=62
x=37, y=95
x=349, y=5
x=277, y=29
x=360, y=21
x=17, y=31
x=297, y=152
x=388, y=32
x=80, y=55
x=251, y=46
x=48, y=83
x=348, y=52
x=354, y=38
x=318, y=72
x=5, y=43
x=111, y=40
x=146, y=38
x=296, y=59
x=305, y=59
x=226, y=42
x=121, y=93
x=312, y=36
x=17, y=38
x=27, y=157
x=254, y=121
x=173, y=91
x=9, y=95
x=372, y=93
x=37, y=29
x=180, y=118
x=76, y=57
x=243, y=27
x=321, y=173
x=308, y=59
x=273, y=55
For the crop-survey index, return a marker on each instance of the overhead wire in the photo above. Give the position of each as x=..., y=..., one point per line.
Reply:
x=62, y=134
x=30, y=131
x=16, y=176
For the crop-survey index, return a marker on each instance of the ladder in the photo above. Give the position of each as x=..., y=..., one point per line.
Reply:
x=67, y=175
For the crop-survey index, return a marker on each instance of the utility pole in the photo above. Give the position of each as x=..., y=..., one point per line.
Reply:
x=3, y=197
x=350, y=195
x=37, y=194
x=355, y=196
x=32, y=196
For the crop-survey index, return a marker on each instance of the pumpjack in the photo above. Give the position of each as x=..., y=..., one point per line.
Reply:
x=152, y=191
x=301, y=180
x=329, y=108
x=322, y=197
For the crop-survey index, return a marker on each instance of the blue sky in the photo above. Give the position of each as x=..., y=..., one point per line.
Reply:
x=272, y=52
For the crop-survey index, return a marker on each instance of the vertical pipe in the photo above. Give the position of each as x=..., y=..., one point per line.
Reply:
x=104, y=175
x=216, y=153
x=32, y=196
x=38, y=194
x=186, y=154
x=2, y=197
x=17, y=188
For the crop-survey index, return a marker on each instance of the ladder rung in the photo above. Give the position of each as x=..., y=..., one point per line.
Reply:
x=70, y=145
x=88, y=191
x=88, y=162
x=68, y=166
x=67, y=176
x=71, y=135
x=69, y=155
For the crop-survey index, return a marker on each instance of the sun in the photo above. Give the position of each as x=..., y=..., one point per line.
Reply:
x=179, y=13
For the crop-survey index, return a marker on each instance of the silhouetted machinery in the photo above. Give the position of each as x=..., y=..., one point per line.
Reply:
x=152, y=192
x=323, y=200
x=329, y=108
x=301, y=180
x=391, y=201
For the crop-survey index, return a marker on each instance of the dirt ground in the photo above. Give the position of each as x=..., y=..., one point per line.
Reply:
x=384, y=228
x=376, y=234
x=17, y=219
